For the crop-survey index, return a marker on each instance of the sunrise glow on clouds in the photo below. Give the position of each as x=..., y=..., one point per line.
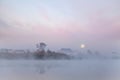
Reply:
x=60, y=23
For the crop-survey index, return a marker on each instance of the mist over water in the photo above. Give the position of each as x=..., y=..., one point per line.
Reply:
x=59, y=39
x=59, y=69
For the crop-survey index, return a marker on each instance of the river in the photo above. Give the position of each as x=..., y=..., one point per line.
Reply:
x=59, y=69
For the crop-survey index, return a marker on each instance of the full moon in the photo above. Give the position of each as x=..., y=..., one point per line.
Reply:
x=82, y=46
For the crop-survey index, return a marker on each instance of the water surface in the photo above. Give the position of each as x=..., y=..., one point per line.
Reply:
x=59, y=69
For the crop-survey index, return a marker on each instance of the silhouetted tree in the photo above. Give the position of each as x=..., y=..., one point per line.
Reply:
x=89, y=52
x=40, y=53
x=41, y=46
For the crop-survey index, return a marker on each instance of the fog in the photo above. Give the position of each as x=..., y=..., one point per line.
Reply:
x=80, y=39
x=59, y=69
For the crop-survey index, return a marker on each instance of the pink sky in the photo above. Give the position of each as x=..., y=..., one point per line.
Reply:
x=59, y=23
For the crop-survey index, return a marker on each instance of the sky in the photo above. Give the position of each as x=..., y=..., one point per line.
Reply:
x=60, y=24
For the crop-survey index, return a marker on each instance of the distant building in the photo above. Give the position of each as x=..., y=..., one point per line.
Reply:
x=6, y=51
x=19, y=51
x=66, y=50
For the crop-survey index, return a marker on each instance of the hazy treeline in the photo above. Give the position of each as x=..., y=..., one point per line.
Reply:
x=42, y=53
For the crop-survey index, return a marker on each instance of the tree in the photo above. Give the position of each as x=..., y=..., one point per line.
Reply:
x=89, y=52
x=41, y=46
x=40, y=53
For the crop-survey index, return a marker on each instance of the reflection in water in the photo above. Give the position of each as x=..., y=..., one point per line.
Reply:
x=59, y=70
x=43, y=68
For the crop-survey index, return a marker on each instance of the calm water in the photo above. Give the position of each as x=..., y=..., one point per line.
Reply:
x=60, y=70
